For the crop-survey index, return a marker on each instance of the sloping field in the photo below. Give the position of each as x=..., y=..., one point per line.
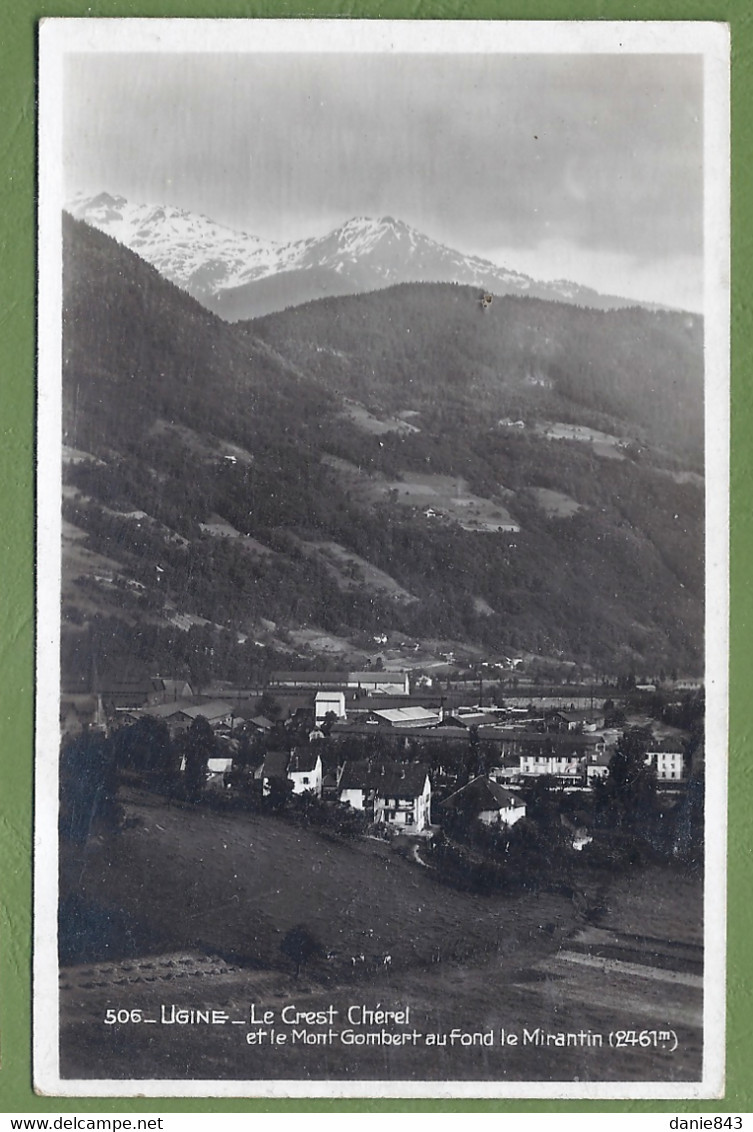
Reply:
x=80, y=562
x=186, y=909
x=351, y=571
x=363, y=419
x=602, y=443
x=234, y=883
x=202, y=446
x=556, y=504
x=440, y=497
x=218, y=527
x=447, y=497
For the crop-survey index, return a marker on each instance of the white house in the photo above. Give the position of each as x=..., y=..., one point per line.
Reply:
x=354, y=785
x=585, y=721
x=302, y=767
x=398, y=794
x=305, y=771
x=596, y=766
x=563, y=763
x=668, y=763
x=501, y=774
x=402, y=796
x=557, y=745
x=488, y=802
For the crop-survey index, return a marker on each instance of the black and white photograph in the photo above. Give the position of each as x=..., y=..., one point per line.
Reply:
x=382, y=524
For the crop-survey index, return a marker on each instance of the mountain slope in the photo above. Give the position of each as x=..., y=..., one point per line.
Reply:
x=240, y=276
x=434, y=347
x=325, y=471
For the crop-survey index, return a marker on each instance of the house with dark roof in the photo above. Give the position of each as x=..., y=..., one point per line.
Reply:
x=127, y=692
x=274, y=770
x=301, y=767
x=550, y=753
x=402, y=796
x=173, y=714
x=180, y=715
x=259, y=725
x=217, y=713
x=596, y=765
x=168, y=690
x=583, y=720
x=486, y=801
x=354, y=784
x=305, y=770
x=397, y=794
x=561, y=762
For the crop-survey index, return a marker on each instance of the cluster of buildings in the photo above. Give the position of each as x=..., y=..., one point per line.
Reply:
x=570, y=746
x=398, y=795
x=123, y=702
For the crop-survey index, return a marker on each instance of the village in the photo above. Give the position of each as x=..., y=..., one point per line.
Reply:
x=404, y=760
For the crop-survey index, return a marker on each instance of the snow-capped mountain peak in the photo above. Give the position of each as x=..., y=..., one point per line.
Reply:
x=240, y=275
x=188, y=248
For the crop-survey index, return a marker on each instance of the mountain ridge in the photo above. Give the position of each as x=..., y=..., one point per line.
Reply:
x=241, y=276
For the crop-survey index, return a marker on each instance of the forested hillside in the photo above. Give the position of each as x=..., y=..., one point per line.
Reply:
x=524, y=476
x=434, y=346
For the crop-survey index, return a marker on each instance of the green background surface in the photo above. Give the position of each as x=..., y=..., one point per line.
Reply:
x=17, y=393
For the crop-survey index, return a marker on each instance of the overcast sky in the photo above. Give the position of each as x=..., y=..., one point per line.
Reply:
x=587, y=167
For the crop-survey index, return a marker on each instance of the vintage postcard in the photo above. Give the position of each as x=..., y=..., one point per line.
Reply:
x=382, y=528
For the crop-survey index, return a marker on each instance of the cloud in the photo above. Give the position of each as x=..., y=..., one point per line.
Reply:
x=675, y=281
x=602, y=152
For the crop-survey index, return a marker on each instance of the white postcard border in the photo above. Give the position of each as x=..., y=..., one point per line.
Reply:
x=59, y=37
